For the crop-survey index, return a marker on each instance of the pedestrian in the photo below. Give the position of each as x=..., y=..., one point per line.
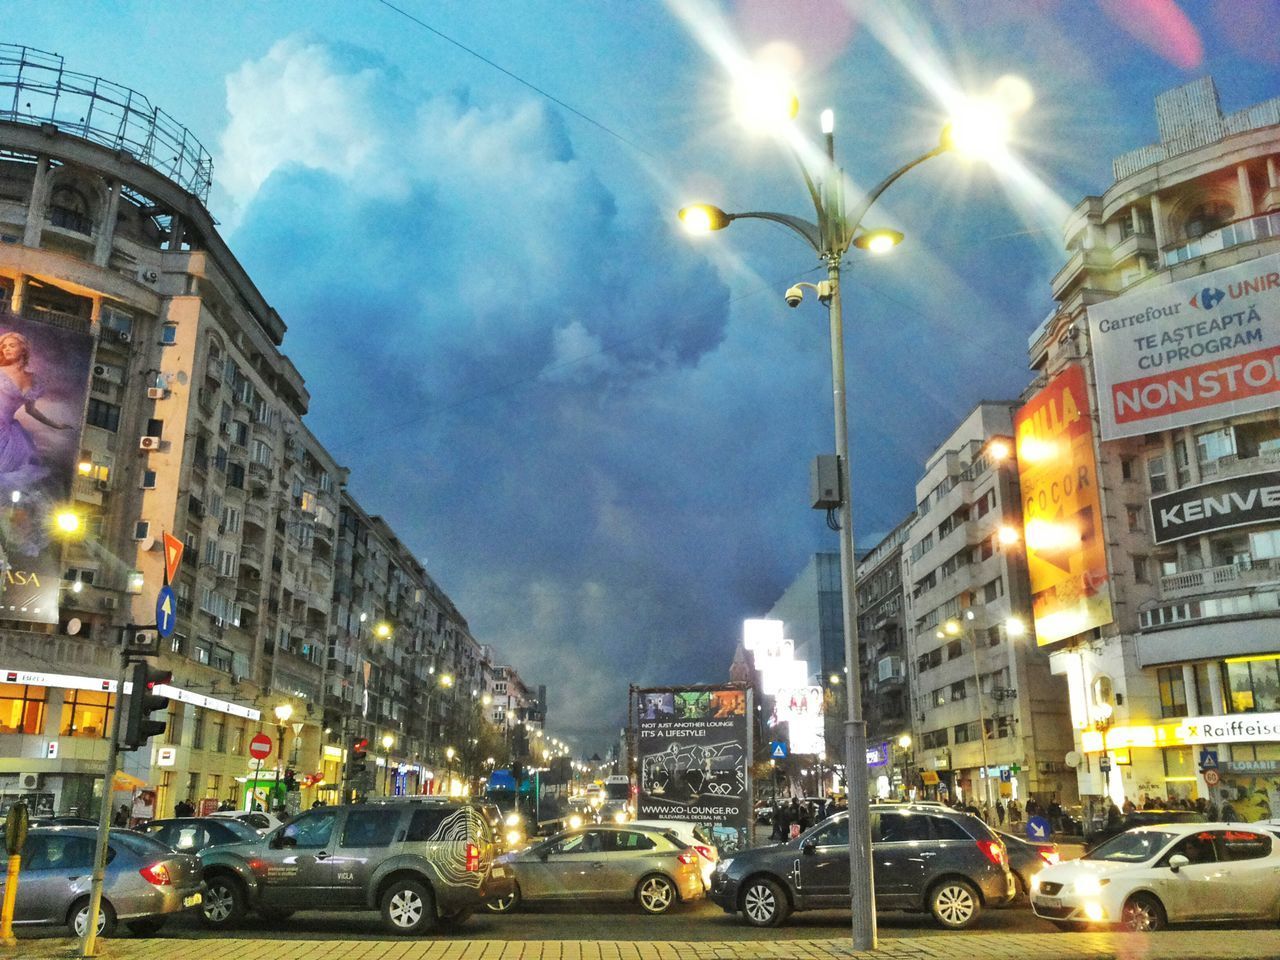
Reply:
x=822, y=808
x=806, y=818
x=1000, y=812
x=1055, y=812
x=121, y=817
x=184, y=808
x=1015, y=812
x=779, y=831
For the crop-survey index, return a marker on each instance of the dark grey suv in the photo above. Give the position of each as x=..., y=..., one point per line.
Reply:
x=926, y=858
x=421, y=861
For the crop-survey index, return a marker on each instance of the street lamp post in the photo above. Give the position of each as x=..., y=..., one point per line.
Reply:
x=830, y=238
x=283, y=712
x=388, y=741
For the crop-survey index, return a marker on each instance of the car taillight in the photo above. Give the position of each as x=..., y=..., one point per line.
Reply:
x=994, y=850
x=157, y=874
x=687, y=857
x=473, y=858
x=705, y=851
x=1049, y=855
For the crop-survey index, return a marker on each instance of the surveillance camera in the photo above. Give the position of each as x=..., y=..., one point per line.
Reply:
x=795, y=296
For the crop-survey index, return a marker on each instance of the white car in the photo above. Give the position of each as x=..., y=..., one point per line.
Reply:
x=1151, y=876
x=693, y=834
x=261, y=821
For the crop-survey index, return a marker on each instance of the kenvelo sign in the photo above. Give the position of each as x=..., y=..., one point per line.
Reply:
x=1216, y=505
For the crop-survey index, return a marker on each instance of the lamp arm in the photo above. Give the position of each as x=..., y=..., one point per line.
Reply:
x=806, y=230
x=854, y=221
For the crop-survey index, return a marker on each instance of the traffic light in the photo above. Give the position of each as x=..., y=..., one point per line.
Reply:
x=356, y=763
x=290, y=780
x=139, y=727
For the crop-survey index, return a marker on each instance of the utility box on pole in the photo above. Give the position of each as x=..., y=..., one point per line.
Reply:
x=824, y=482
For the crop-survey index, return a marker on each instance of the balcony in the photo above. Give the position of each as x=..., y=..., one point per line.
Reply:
x=1192, y=583
x=251, y=556
x=1235, y=465
x=1233, y=234
x=255, y=515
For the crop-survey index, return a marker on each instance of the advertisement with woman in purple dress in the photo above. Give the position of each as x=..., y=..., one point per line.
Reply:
x=44, y=380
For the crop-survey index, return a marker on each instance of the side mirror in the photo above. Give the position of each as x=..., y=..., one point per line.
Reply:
x=809, y=846
x=543, y=854
x=1177, y=862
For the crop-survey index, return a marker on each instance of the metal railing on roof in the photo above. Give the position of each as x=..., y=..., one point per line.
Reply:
x=36, y=88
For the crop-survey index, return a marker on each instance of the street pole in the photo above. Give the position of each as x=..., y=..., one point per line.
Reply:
x=89, y=943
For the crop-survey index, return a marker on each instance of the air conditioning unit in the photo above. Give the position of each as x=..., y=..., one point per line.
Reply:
x=149, y=443
x=109, y=372
x=157, y=393
x=30, y=781
x=110, y=603
x=148, y=276
x=125, y=336
x=104, y=485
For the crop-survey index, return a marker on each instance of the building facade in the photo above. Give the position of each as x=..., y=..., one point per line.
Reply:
x=990, y=721
x=1166, y=303
x=165, y=406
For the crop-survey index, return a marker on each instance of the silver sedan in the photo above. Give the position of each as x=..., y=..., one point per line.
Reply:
x=145, y=881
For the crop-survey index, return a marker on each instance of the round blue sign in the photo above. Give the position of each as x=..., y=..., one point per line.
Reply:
x=1038, y=828
x=166, y=611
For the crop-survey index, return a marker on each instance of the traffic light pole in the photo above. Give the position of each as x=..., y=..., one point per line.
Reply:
x=89, y=940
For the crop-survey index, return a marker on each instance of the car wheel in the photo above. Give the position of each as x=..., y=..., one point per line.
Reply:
x=656, y=894
x=78, y=918
x=147, y=927
x=763, y=903
x=504, y=904
x=955, y=904
x=274, y=915
x=1143, y=913
x=223, y=902
x=407, y=907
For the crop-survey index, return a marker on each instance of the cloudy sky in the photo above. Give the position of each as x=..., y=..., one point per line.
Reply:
x=595, y=431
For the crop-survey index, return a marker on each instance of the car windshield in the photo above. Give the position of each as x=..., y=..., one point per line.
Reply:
x=1137, y=846
x=242, y=830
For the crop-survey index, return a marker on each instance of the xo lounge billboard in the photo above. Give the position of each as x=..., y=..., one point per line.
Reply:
x=1061, y=510
x=44, y=382
x=1196, y=350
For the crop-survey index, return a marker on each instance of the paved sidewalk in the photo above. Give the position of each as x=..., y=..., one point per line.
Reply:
x=1171, y=945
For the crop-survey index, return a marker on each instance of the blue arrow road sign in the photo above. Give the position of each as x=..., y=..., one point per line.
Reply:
x=1208, y=760
x=1038, y=828
x=778, y=750
x=166, y=611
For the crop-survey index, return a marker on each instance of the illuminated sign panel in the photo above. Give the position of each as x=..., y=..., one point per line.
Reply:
x=1201, y=349
x=1061, y=510
x=797, y=703
x=71, y=682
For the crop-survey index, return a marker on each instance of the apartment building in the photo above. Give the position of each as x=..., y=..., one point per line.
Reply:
x=990, y=721
x=1167, y=311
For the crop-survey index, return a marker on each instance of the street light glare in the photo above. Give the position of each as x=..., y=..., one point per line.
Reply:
x=878, y=241
x=67, y=521
x=1015, y=627
x=828, y=119
x=979, y=129
x=764, y=100
x=700, y=219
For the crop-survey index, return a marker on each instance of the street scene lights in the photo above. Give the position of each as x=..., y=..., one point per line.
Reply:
x=388, y=741
x=972, y=130
x=282, y=712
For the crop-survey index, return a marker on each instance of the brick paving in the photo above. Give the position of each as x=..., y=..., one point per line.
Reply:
x=1259, y=944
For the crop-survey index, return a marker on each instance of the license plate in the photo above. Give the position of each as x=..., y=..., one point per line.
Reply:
x=192, y=901
x=499, y=871
x=1051, y=902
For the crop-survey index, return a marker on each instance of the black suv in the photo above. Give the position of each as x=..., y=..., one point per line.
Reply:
x=421, y=861
x=925, y=858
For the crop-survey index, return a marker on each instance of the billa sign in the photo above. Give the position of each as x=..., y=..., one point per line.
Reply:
x=1061, y=510
x=1217, y=505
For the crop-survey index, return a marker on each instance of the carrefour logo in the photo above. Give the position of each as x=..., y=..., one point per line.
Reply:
x=1208, y=298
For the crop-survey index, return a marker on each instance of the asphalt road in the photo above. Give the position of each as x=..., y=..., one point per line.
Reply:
x=703, y=921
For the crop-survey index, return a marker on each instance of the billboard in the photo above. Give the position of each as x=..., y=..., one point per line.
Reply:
x=1216, y=505
x=1200, y=349
x=44, y=382
x=692, y=751
x=1061, y=510
x=800, y=708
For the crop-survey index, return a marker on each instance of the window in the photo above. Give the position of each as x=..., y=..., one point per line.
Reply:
x=169, y=334
x=197, y=733
x=1215, y=444
x=1173, y=692
x=623, y=841
x=148, y=480
x=1157, y=474
x=58, y=851
x=1252, y=686
x=954, y=649
x=1141, y=572
x=589, y=841
x=1126, y=468
x=370, y=828
x=833, y=834
x=993, y=590
x=1197, y=848
x=933, y=739
x=235, y=475
x=902, y=828
x=940, y=697
x=1183, y=462
x=99, y=413
x=193, y=785
x=1206, y=218
x=958, y=690
x=1134, y=516
x=155, y=427
x=237, y=738
x=86, y=713
x=21, y=708
x=947, y=829
x=1265, y=545
x=220, y=732
x=1241, y=845
x=965, y=732
x=312, y=830
x=1257, y=439
x=424, y=824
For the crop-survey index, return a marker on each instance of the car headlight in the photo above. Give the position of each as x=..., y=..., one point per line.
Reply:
x=513, y=820
x=723, y=865
x=575, y=822
x=620, y=817
x=1089, y=886
x=513, y=836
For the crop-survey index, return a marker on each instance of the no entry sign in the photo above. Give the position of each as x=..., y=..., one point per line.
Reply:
x=260, y=747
